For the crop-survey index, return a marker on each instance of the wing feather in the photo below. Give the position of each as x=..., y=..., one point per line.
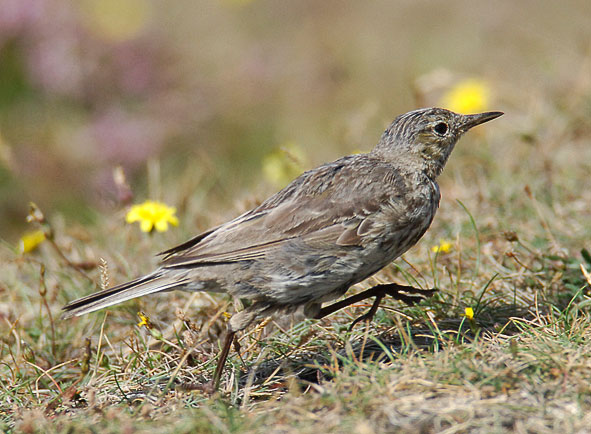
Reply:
x=331, y=204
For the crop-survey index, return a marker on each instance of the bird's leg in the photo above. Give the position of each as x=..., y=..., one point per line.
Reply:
x=325, y=311
x=370, y=313
x=215, y=382
x=238, y=322
x=407, y=294
x=212, y=386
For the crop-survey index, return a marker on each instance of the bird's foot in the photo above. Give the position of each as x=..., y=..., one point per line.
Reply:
x=407, y=294
x=370, y=313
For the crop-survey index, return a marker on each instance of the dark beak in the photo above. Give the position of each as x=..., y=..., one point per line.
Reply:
x=470, y=121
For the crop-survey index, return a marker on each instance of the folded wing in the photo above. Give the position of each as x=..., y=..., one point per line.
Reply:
x=325, y=205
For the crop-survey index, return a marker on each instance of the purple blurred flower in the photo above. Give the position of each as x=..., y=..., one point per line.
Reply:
x=123, y=139
x=54, y=65
x=18, y=15
x=134, y=65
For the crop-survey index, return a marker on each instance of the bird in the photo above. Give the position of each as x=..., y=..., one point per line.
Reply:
x=330, y=228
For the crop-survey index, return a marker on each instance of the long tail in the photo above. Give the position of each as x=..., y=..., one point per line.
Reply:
x=155, y=282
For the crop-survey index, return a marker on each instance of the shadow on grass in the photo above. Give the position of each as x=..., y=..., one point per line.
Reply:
x=389, y=345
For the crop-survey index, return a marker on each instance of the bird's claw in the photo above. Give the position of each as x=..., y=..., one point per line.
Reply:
x=407, y=294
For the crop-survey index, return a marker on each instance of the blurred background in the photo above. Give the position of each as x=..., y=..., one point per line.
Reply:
x=220, y=98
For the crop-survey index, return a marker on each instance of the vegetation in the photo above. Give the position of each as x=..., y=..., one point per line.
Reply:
x=503, y=346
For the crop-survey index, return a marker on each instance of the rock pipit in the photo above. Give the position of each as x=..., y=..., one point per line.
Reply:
x=330, y=228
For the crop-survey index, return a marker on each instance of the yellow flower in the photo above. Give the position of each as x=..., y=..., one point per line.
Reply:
x=469, y=313
x=152, y=215
x=443, y=247
x=468, y=96
x=284, y=164
x=144, y=320
x=31, y=240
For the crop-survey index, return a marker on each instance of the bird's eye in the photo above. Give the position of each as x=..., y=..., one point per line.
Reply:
x=441, y=128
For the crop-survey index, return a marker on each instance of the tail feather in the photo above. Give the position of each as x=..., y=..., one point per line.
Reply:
x=155, y=282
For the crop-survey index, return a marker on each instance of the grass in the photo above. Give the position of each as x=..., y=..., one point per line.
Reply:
x=518, y=233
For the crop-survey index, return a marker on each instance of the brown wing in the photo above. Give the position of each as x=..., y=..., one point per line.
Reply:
x=334, y=203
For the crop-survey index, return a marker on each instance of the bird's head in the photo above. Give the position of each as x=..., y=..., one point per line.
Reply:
x=425, y=138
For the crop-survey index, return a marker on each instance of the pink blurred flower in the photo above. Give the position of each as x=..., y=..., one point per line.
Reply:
x=127, y=140
x=135, y=68
x=54, y=65
x=18, y=15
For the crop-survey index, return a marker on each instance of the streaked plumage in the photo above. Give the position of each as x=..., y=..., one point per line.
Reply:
x=330, y=228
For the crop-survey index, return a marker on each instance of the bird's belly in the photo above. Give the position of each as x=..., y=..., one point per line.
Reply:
x=299, y=274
